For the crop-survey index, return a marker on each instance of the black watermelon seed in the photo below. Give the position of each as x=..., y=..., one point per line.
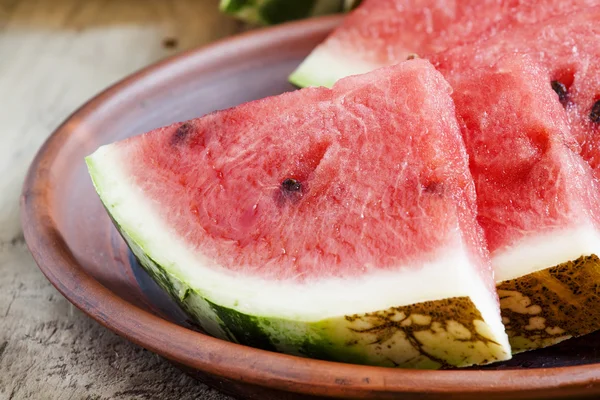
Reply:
x=434, y=188
x=595, y=113
x=180, y=134
x=291, y=185
x=561, y=91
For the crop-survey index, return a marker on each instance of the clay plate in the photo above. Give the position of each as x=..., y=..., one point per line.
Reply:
x=77, y=248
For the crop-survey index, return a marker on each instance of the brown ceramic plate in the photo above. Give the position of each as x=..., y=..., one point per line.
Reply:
x=80, y=252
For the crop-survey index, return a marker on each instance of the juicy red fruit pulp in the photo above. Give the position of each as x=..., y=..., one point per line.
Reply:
x=568, y=47
x=388, y=31
x=529, y=179
x=317, y=183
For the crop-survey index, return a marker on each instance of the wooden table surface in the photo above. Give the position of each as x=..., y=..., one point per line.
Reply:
x=54, y=55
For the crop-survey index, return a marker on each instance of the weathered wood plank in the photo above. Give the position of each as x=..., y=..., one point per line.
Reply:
x=54, y=55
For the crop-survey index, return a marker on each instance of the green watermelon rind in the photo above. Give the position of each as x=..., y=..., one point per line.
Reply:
x=270, y=12
x=351, y=4
x=425, y=335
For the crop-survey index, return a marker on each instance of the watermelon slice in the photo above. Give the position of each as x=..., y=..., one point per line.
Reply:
x=305, y=223
x=384, y=32
x=537, y=201
x=569, y=48
x=267, y=12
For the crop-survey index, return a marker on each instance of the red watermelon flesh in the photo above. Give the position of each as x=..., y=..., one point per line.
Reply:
x=384, y=32
x=334, y=142
x=568, y=47
x=537, y=201
x=337, y=224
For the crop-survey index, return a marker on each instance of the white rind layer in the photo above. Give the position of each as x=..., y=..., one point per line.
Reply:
x=451, y=275
x=545, y=250
x=324, y=67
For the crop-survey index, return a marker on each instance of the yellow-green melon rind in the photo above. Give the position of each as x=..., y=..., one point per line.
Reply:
x=548, y=306
x=323, y=67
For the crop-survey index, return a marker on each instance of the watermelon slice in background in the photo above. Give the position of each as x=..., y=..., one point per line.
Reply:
x=336, y=224
x=568, y=46
x=384, y=32
x=568, y=49
x=537, y=201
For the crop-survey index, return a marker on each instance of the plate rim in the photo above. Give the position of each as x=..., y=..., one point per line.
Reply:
x=229, y=360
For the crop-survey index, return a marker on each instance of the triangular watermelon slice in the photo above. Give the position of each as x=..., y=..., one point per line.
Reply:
x=338, y=224
x=385, y=32
x=537, y=201
x=563, y=293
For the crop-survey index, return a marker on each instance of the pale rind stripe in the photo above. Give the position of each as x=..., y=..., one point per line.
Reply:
x=545, y=250
x=324, y=67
